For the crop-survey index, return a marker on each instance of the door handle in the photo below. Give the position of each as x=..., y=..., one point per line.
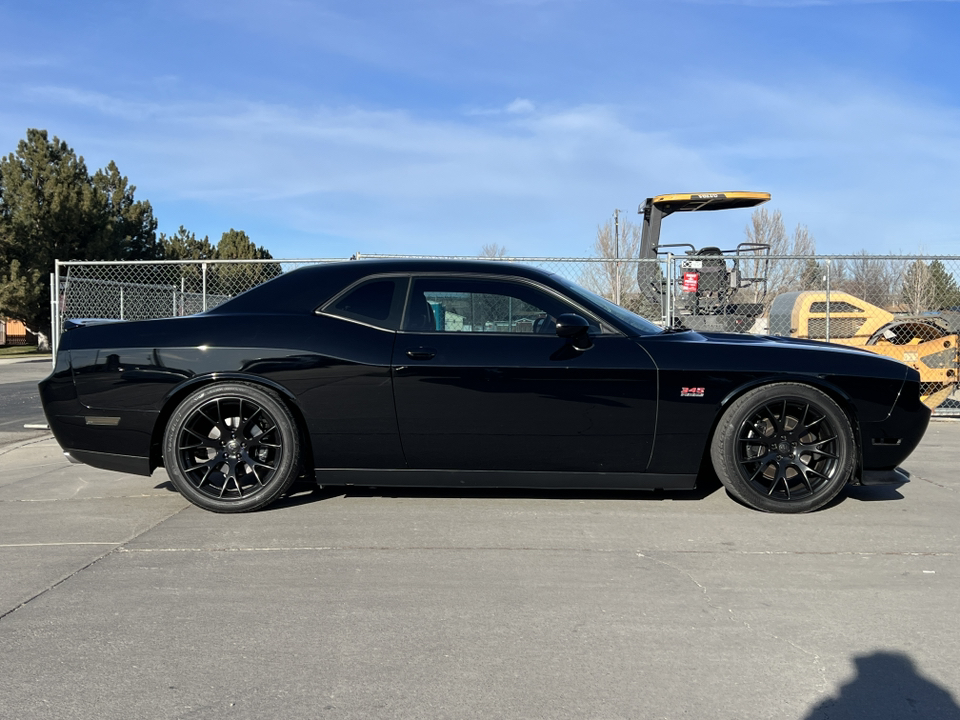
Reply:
x=421, y=353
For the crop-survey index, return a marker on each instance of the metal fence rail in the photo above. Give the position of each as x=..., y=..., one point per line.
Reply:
x=907, y=307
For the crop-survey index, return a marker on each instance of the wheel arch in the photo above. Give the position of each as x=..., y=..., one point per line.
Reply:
x=841, y=398
x=184, y=390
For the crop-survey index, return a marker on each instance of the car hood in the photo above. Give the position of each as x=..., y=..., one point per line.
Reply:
x=777, y=340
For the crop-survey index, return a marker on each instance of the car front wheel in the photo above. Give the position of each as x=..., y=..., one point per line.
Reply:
x=231, y=447
x=784, y=448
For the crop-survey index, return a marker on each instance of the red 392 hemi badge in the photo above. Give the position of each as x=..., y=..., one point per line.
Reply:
x=691, y=392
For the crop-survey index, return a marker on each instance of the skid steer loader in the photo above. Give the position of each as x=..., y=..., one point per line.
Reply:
x=925, y=342
x=711, y=276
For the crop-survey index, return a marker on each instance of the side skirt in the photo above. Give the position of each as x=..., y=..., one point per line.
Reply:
x=505, y=479
x=109, y=461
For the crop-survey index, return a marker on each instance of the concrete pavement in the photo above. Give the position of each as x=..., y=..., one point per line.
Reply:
x=120, y=600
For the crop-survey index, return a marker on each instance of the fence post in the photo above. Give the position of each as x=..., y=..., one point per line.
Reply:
x=203, y=265
x=54, y=311
x=827, y=331
x=669, y=276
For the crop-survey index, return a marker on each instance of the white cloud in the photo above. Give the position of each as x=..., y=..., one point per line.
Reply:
x=521, y=106
x=862, y=167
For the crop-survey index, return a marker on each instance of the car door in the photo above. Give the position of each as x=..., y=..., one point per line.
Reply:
x=345, y=389
x=483, y=382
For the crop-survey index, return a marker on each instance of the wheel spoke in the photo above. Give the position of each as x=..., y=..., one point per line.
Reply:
x=253, y=470
x=245, y=422
x=781, y=474
x=763, y=459
x=772, y=419
x=205, y=476
x=208, y=464
x=201, y=436
x=803, y=476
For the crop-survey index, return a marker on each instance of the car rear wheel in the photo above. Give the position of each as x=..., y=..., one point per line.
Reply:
x=784, y=448
x=231, y=447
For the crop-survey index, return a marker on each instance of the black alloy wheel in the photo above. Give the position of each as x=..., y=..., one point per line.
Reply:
x=231, y=447
x=784, y=448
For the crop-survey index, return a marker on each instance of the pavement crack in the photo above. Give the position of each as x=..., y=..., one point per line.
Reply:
x=682, y=572
x=939, y=485
x=88, y=565
x=731, y=613
x=32, y=441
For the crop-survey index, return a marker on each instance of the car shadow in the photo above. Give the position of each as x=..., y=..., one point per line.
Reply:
x=304, y=493
x=862, y=493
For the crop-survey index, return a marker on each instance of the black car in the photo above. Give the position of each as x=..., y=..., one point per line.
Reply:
x=470, y=374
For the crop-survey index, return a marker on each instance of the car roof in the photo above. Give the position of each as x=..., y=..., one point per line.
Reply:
x=305, y=288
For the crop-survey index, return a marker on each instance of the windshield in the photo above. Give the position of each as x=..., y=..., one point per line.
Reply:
x=640, y=325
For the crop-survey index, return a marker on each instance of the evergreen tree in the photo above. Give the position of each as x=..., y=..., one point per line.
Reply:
x=236, y=245
x=812, y=276
x=184, y=245
x=52, y=209
x=945, y=292
x=233, y=279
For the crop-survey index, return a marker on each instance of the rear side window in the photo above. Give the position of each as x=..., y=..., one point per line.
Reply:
x=377, y=302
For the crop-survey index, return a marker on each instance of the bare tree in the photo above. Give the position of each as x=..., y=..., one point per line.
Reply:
x=493, y=250
x=783, y=275
x=870, y=278
x=917, y=290
x=602, y=277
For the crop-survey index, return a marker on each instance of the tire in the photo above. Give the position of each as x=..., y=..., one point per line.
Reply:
x=785, y=448
x=231, y=447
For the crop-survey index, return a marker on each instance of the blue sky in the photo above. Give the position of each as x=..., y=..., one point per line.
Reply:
x=435, y=126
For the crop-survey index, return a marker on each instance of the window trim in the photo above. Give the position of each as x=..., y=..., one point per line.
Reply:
x=606, y=329
x=326, y=308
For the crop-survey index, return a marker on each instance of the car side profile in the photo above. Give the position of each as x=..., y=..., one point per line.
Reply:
x=470, y=374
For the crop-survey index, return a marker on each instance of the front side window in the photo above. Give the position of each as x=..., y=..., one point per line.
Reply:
x=480, y=305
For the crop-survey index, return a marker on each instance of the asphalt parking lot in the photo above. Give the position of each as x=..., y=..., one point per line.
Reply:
x=120, y=600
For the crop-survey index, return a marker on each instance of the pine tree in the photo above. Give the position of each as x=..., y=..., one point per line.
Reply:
x=946, y=293
x=232, y=279
x=52, y=209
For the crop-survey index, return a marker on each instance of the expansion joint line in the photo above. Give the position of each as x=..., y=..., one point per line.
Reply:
x=117, y=548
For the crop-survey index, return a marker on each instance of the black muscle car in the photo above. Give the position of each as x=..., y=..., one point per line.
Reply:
x=470, y=374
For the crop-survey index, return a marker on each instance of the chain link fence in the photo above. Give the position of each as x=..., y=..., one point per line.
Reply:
x=906, y=307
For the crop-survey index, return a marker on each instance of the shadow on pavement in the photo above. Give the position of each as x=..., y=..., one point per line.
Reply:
x=887, y=686
x=304, y=493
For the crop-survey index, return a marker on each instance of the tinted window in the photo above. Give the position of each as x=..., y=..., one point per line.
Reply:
x=376, y=302
x=481, y=306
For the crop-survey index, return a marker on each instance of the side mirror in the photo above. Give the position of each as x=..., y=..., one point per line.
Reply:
x=574, y=328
